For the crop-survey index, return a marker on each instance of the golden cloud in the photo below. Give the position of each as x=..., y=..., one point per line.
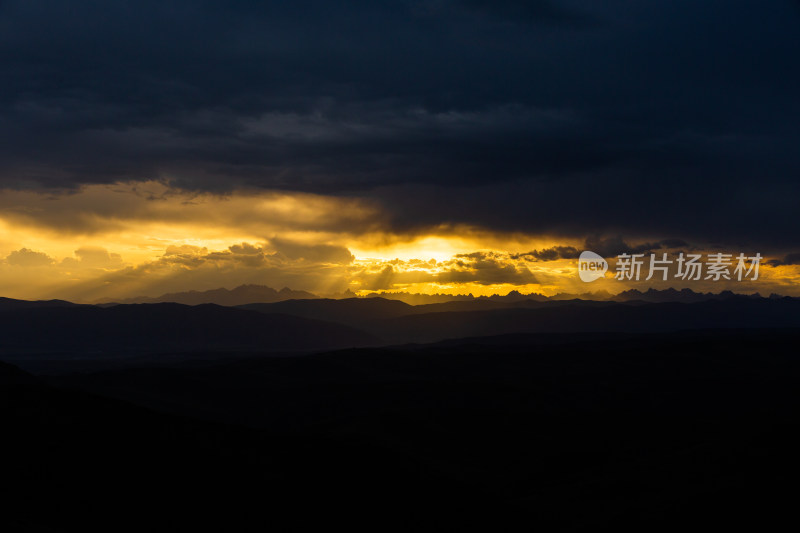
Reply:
x=106, y=242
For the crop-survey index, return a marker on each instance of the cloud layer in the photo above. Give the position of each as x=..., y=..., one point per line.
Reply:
x=656, y=120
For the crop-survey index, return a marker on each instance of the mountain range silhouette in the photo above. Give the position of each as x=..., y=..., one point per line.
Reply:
x=644, y=414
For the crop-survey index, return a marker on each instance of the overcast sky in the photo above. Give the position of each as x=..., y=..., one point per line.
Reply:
x=665, y=119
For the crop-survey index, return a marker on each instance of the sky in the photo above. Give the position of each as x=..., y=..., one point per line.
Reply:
x=432, y=146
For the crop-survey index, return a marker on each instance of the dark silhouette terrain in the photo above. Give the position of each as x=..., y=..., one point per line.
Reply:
x=396, y=322
x=9, y=304
x=78, y=462
x=559, y=416
x=163, y=327
x=30, y=330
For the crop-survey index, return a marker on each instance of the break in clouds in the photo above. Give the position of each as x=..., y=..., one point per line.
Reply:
x=93, y=274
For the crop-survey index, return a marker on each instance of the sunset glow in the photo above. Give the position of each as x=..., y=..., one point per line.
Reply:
x=103, y=242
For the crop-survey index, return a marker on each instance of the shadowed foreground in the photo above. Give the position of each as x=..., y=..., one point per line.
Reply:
x=592, y=432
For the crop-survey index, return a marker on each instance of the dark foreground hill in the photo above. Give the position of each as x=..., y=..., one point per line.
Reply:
x=81, y=331
x=139, y=328
x=349, y=311
x=595, y=432
x=76, y=462
x=395, y=322
x=579, y=316
x=10, y=304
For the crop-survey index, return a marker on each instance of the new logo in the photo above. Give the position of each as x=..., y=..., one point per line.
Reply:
x=591, y=266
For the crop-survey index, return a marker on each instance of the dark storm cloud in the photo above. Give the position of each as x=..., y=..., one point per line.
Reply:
x=574, y=117
x=605, y=246
x=612, y=246
x=549, y=254
x=789, y=259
